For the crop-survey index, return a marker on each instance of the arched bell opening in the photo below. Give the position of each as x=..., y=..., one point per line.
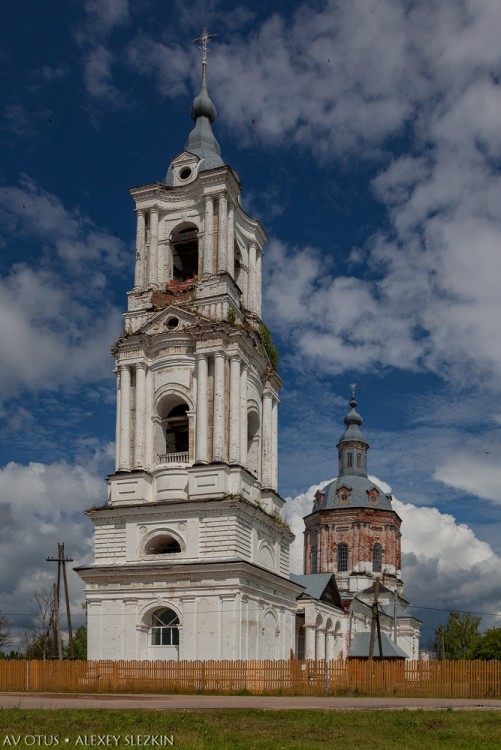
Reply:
x=173, y=430
x=184, y=247
x=253, y=426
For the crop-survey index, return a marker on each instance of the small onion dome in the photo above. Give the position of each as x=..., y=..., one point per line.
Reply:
x=353, y=420
x=202, y=104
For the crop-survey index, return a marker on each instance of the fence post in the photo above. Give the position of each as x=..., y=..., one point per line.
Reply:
x=27, y=676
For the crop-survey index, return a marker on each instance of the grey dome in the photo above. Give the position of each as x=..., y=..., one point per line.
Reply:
x=358, y=489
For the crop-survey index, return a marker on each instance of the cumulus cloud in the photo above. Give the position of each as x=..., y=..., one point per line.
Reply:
x=343, y=80
x=42, y=505
x=473, y=472
x=48, y=311
x=102, y=18
x=444, y=565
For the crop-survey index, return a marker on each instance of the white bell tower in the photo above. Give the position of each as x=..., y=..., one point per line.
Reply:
x=191, y=554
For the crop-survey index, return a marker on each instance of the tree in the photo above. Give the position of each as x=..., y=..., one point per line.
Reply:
x=38, y=638
x=488, y=646
x=457, y=638
x=79, y=644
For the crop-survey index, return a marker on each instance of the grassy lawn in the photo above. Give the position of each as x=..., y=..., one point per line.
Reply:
x=249, y=729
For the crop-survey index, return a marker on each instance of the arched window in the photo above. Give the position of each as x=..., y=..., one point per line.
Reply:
x=177, y=430
x=164, y=628
x=342, y=557
x=162, y=544
x=377, y=558
x=360, y=462
x=349, y=460
x=184, y=244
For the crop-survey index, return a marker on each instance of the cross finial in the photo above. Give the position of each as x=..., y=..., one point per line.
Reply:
x=353, y=387
x=202, y=43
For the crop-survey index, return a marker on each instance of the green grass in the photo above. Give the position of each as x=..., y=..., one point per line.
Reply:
x=266, y=730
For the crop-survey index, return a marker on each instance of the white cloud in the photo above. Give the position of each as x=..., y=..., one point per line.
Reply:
x=104, y=15
x=48, y=312
x=98, y=77
x=102, y=18
x=341, y=81
x=473, y=471
x=42, y=505
x=445, y=565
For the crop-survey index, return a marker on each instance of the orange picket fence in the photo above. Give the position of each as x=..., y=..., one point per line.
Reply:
x=444, y=679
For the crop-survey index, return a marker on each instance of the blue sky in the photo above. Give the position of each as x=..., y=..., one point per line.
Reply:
x=366, y=135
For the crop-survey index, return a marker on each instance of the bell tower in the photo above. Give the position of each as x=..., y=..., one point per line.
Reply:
x=191, y=554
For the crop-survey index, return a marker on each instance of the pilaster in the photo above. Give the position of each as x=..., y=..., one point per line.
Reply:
x=125, y=393
x=140, y=415
x=202, y=413
x=154, y=247
x=235, y=410
x=222, y=233
x=218, y=417
x=208, y=236
x=140, y=244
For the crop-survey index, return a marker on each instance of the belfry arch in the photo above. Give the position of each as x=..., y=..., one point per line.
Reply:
x=184, y=249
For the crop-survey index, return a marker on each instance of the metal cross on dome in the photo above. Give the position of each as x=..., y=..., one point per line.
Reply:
x=353, y=387
x=202, y=42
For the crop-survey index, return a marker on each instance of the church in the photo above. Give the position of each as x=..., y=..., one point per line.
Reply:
x=191, y=553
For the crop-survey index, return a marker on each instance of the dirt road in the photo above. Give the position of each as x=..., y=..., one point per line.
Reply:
x=206, y=702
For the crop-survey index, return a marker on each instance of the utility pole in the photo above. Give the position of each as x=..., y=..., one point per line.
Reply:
x=375, y=624
x=61, y=567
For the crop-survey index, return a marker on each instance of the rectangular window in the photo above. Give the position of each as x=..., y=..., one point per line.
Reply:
x=342, y=557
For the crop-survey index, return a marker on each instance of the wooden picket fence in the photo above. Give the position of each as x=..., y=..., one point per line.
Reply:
x=444, y=679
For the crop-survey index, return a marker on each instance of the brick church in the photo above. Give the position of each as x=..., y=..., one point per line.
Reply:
x=191, y=554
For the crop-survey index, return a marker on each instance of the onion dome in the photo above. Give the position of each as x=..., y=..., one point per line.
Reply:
x=202, y=141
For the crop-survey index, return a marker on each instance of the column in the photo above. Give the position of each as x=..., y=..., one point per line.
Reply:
x=201, y=419
x=117, y=424
x=140, y=415
x=124, y=463
x=148, y=431
x=154, y=247
x=266, y=477
x=230, y=242
x=208, y=236
x=222, y=233
x=243, y=415
x=259, y=281
x=320, y=650
x=274, y=446
x=218, y=421
x=330, y=646
x=140, y=259
x=252, y=278
x=244, y=280
x=234, y=455
x=309, y=642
